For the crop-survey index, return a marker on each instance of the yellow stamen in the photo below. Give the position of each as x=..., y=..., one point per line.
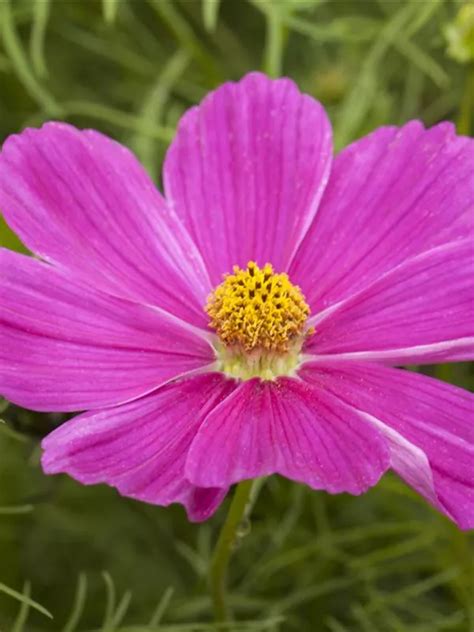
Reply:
x=260, y=318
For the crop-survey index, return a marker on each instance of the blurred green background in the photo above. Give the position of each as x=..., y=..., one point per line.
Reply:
x=380, y=563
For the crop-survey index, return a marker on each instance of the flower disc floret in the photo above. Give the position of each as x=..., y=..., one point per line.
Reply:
x=256, y=308
x=260, y=318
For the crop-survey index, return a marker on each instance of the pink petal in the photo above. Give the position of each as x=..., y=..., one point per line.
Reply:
x=289, y=428
x=65, y=346
x=392, y=195
x=421, y=311
x=140, y=447
x=429, y=424
x=82, y=201
x=247, y=170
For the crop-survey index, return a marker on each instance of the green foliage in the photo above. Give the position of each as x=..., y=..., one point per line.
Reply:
x=460, y=35
x=94, y=561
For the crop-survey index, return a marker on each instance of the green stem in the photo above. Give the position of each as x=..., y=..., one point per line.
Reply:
x=238, y=511
x=464, y=122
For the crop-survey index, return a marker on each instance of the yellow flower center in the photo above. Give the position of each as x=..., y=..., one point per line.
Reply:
x=260, y=318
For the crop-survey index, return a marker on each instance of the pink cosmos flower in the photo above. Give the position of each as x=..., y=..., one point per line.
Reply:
x=194, y=381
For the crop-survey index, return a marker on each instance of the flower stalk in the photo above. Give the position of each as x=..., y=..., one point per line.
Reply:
x=464, y=121
x=239, y=511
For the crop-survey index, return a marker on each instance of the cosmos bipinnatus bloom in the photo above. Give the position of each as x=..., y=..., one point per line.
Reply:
x=249, y=320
